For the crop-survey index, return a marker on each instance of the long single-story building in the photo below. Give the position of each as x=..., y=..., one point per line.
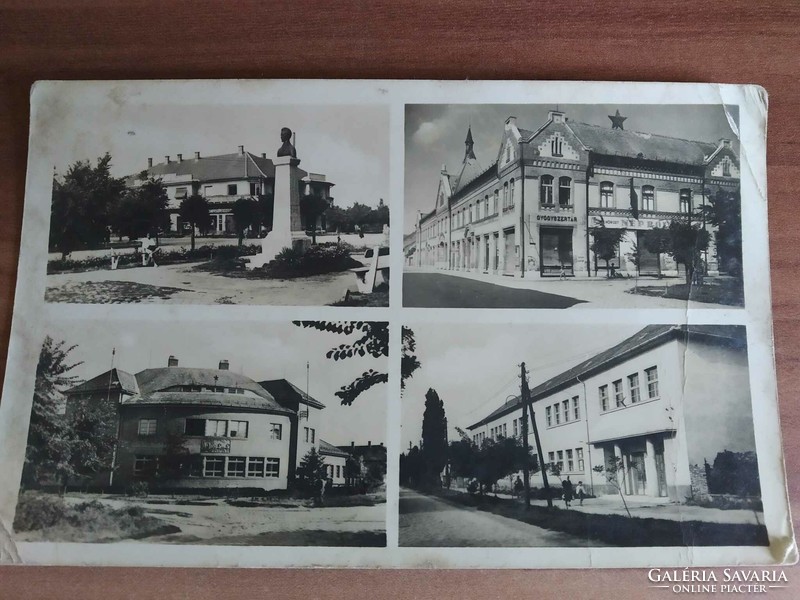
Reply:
x=664, y=400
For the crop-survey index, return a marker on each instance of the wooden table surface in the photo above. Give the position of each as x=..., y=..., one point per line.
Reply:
x=728, y=41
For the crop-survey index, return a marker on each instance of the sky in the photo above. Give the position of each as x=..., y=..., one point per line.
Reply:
x=348, y=144
x=449, y=356
x=435, y=134
x=259, y=351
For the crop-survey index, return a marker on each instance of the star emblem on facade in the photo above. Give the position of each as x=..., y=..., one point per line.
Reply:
x=617, y=121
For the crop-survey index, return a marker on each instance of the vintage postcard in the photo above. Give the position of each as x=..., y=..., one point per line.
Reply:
x=393, y=324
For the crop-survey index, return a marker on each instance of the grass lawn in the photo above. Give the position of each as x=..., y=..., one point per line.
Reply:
x=722, y=290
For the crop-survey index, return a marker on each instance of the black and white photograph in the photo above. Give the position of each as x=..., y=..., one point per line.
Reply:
x=271, y=436
x=579, y=436
x=572, y=205
x=273, y=205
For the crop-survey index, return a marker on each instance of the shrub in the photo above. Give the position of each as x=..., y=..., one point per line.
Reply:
x=138, y=488
x=319, y=259
x=472, y=486
x=37, y=511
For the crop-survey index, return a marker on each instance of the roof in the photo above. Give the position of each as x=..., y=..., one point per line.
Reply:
x=645, y=339
x=282, y=388
x=370, y=452
x=331, y=450
x=126, y=381
x=209, y=399
x=621, y=142
x=213, y=168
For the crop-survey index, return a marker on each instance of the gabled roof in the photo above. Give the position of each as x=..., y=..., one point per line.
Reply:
x=282, y=389
x=470, y=169
x=633, y=144
x=113, y=378
x=214, y=168
x=331, y=450
x=645, y=339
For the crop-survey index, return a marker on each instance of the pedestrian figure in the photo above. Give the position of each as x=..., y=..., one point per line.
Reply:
x=563, y=274
x=321, y=485
x=518, y=487
x=566, y=487
x=580, y=492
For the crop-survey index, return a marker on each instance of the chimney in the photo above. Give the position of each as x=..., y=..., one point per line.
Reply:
x=263, y=155
x=726, y=143
x=381, y=444
x=172, y=361
x=149, y=162
x=369, y=443
x=241, y=149
x=556, y=116
x=352, y=444
x=511, y=121
x=197, y=156
x=223, y=365
x=180, y=158
x=166, y=158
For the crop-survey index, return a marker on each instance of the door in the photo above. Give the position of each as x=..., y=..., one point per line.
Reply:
x=661, y=473
x=486, y=253
x=496, y=251
x=636, y=478
x=510, y=253
x=649, y=262
x=555, y=251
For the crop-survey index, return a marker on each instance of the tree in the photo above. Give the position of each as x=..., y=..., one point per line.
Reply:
x=614, y=473
x=81, y=203
x=266, y=206
x=176, y=459
x=48, y=449
x=734, y=473
x=373, y=341
x=91, y=442
x=312, y=207
x=246, y=213
x=724, y=211
x=683, y=241
x=605, y=242
x=434, y=438
x=194, y=210
x=311, y=472
x=141, y=210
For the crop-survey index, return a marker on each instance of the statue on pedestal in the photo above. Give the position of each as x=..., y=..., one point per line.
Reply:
x=287, y=149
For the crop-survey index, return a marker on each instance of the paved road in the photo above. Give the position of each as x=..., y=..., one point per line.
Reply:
x=434, y=290
x=429, y=521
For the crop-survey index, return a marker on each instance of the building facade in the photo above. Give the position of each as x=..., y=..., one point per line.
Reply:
x=663, y=401
x=183, y=428
x=530, y=211
x=222, y=180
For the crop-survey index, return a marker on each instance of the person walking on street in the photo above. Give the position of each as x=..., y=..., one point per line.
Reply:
x=580, y=492
x=566, y=487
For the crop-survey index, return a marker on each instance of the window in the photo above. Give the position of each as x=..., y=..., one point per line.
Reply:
x=606, y=194
x=633, y=387
x=238, y=429
x=686, y=200
x=652, y=382
x=273, y=467
x=236, y=465
x=470, y=213
x=516, y=429
x=309, y=433
x=511, y=194
x=147, y=426
x=576, y=408
x=619, y=396
x=549, y=416
x=570, y=462
x=338, y=471
x=560, y=461
x=255, y=467
x=275, y=430
x=603, y=398
x=726, y=167
x=145, y=466
x=565, y=407
x=233, y=189
x=551, y=457
x=546, y=190
x=505, y=431
x=195, y=427
x=180, y=192
x=557, y=413
x=206, y=190
x=506, y=204
x=486, y=212
x=564, y=191
x=496, y=205
x=214, y=466
x=579, y=456
x=555, y=146
x=255, y=189
x=216, y=428
x=648, y=197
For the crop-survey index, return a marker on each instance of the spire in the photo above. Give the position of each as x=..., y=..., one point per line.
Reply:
x=470, y=153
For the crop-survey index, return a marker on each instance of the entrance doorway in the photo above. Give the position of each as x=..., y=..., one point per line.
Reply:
x=510, y=266
x=496, y=264
x=635, y=477
x=649, y=262
x=486, y=253
x=555, y=251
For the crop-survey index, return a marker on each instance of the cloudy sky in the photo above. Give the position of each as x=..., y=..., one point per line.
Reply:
x=259, y=351
x=474, y=369
x=348, y=144
x=435, y=135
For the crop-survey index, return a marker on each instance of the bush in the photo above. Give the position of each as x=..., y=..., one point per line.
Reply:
x=36, y=511
x=139, y=489
x=319, y=259
x=472, y=486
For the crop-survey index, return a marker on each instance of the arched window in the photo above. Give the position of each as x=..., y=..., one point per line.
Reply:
x=505, y=196
x=564, y=191
x=648, y=197
x=486, y=206
x=686, y=200
x=495, y=207
x=511, y=194
x=546, y=190
x=555, y=146
x=606, y=194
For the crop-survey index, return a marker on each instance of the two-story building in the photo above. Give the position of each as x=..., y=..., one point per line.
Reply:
x=663, y=401
x=214, y=428
x=529, y=212
x=222, y=180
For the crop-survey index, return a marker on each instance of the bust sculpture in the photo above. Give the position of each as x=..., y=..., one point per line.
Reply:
x=287, y=149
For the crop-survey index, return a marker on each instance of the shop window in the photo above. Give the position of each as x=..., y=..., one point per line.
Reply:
x=564, y=191
x=273, y=467
x=603, y=390
x=255, y=467
x=147, y=427
x=275, y=431
x=236, y=466
x=648, y=197
x=652, y=382
x=685, y=200
x=633, y=387
x=214, y=466
x=606, y=194
x=546, y=190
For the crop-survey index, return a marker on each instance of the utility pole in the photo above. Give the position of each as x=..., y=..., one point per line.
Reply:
x=526, y=478
x=526, y=399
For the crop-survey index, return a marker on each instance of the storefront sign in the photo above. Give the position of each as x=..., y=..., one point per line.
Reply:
x=557, y=218
x=629, y=223
x=215, y=446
